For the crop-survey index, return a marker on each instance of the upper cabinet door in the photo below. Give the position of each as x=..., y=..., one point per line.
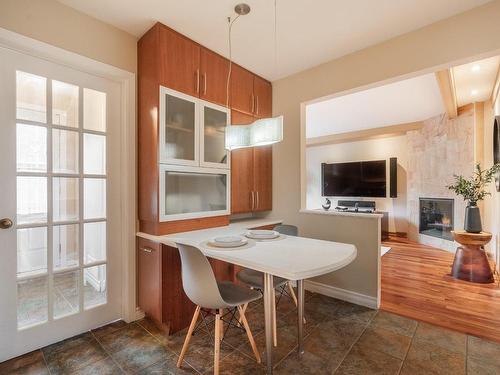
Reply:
x=263, y=92
x=242, y=191
x=179, y=123
x=179, y=62
x=213, y=81
x=263, y=177
x=214, y=119
x=242, y=97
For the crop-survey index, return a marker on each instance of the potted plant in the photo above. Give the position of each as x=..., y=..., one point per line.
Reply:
x=474, y=190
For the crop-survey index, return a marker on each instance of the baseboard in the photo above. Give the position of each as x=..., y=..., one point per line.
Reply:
x=139, y=314
x=342, y=294
x=398, y=234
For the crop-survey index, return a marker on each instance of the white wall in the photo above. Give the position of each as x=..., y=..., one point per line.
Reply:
x=371, y=149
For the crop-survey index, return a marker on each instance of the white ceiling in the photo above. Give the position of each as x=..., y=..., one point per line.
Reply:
x=411, y=100
x=309, y=32
x=474, y=82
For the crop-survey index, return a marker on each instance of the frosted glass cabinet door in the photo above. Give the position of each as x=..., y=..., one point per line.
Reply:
x=178, y=128
x=214, y=120
x=188, y=192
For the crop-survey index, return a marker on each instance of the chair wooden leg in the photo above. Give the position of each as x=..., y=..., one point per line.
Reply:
x=249, y=333
x=217, y=344
x=188, y=335
x=294, y=297
x=245, y=306
x=221, y=313
x=275, y=331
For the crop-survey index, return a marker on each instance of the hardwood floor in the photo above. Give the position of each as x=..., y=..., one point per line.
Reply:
x=416, y=284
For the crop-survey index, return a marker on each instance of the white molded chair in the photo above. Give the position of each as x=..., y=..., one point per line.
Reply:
x=200, y=285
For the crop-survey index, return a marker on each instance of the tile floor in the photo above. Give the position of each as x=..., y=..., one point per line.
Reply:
x=341, y=339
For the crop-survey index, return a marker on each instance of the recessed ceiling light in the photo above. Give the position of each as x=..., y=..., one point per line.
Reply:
x=473, y=92
x=476, y=68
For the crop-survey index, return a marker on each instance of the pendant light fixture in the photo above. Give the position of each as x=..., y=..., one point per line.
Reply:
x=261, y=132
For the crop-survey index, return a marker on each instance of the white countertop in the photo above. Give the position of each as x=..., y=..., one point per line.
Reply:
x=320, y=211
x=293, y=258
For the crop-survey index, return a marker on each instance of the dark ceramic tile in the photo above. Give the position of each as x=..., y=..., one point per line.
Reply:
x=103, y=367
x=484, y=351
x=368, y=361
x=27, y=364
x=238, y=363
x=109, y=328
x=290, y=322
x=351, y=312
x=133, y=348
x=168, y=367
x=482, y=367
x=449, y=340
x=320, y=307
x=73, y=354
x=305, y=364
x=385, y=341
x=69, y=344
x=430, y=358
x=394, y=323
x=200, y=354
x=286, y=343
x=331, y=341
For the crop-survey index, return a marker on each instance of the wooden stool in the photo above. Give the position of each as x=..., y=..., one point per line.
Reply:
x=471, y=262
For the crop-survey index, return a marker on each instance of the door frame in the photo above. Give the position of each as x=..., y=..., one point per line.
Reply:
x=128, y=202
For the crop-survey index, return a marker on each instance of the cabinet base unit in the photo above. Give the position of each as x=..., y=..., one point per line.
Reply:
x=159, y=285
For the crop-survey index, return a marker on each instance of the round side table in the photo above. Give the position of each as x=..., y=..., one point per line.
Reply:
x=471, y=262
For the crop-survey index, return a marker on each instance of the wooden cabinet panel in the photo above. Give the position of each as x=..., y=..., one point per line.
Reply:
x=241, y=171
x=177, y=308
x=263, y=177
x=179, y=62
x=149, y=279
x=214, y=69
x=223, y=271
x=263, y=92
x=242, y=98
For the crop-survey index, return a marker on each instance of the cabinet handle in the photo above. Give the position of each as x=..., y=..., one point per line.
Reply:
x=253, y=200
x=253, y=104
x=147, y=249
x=258, y=203
x=257, y=106
x=204, y=77
x=197, y=81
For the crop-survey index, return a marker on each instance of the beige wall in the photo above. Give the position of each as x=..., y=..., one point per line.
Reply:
x=369, y=149
x=462, y=38
x=54, y=23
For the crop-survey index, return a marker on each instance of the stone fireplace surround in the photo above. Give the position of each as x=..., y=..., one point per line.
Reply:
x=442, y=148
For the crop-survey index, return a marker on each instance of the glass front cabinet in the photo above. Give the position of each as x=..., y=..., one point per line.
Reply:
x=194, y=165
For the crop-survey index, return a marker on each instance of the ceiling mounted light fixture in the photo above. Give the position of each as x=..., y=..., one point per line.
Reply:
x=263, y=131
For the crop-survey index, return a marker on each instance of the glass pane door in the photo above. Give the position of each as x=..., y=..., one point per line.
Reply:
x=61, y=199
x=178, y=128
x=214, y=120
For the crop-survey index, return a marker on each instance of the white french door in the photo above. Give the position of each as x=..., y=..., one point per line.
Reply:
x=60, y=261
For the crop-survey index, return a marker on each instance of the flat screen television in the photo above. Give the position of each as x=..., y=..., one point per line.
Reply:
x=354, y=179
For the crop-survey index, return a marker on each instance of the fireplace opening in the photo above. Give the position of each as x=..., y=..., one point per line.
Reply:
x=436, y=217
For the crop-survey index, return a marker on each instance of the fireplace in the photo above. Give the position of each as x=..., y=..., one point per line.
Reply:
x=436, y=217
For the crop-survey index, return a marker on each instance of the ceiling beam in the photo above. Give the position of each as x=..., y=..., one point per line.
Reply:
x=361, y=135
x=448, y=93
x=496, y=87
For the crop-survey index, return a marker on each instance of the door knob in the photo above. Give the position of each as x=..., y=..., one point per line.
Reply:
x=5, y=223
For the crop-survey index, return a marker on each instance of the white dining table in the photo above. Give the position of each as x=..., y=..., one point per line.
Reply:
x=289, y=257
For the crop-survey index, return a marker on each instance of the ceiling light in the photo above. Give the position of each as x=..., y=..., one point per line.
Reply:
x=261, y=132
x=476, y=68
x=473, y=92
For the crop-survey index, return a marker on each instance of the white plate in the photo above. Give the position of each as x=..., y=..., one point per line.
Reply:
x=260, y=234
x=228, y=241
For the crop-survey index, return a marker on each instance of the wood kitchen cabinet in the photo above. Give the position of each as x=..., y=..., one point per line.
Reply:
x=179, y=59
x=250, y=93
x=213, y=80
x=251, y=174
x=263, y=93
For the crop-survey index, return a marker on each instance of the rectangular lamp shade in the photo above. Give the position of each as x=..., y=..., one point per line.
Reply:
x=259, y=133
